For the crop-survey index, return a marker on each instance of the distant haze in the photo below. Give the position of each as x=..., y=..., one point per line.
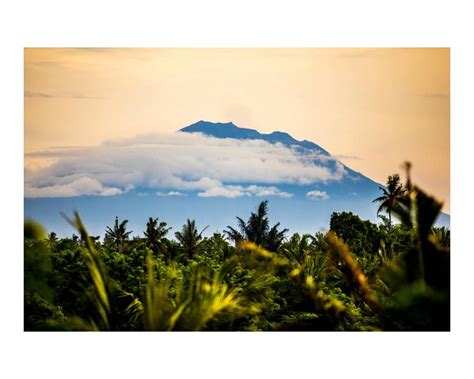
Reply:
x=371, y=108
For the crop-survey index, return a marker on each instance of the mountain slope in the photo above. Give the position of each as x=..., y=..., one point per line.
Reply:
x=230, y=130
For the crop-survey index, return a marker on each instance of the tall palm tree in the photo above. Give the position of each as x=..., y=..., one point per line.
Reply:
x=257, y=229
x=189, y=238
x=392, y=194
x=118, y=235
x=155, y=233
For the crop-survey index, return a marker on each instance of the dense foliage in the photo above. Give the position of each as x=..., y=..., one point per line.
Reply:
x=357, y=276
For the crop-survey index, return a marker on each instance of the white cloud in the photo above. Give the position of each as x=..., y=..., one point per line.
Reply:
x=223, y=192
x=317, y=195
x=77, y=187
x=170, y=193
x=233, y=191
x=268, y=191
x=178, y=161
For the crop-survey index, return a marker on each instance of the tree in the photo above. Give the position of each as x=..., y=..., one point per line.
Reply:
x=155, y=233
x=297, y=247
x=392, y=194
x=189, y=238
x=118, y=235
x=274, y=238
x=216, y=246
x=362, y=236
x=257, y=229
x=443, y=236
x=52, y=241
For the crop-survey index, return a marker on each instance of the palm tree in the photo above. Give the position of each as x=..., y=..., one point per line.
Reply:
x=257, y=224
x=257, y=229
x=443, y=236
x=155, y=233
x=296, y=248
x=275, y=237
x=118, y=235
x=392, y=194
x=52, y=240
x=308, y=253
x=190, y=238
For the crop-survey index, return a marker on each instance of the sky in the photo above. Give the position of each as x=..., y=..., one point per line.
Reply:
x=371, y=108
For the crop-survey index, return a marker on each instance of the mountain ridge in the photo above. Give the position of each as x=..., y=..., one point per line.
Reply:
x=230, y=130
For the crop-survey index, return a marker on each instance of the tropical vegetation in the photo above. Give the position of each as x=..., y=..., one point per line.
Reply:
x=358, y=276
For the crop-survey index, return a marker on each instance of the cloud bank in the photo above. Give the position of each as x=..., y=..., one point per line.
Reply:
x=173, y=163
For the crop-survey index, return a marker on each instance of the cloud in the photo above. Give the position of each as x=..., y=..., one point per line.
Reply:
x=37, y=94
x=170, y=193
x=232, y=191
x=437, y=95
x=222, y=192
x=317, y=195
x=346, y=157
x=77, y=187
x=44, y=95
x=267, y=191
x=176, y=162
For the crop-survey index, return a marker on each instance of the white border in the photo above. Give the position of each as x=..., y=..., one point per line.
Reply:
x=235, y=24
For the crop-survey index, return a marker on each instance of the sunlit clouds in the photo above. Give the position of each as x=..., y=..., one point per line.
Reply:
x=176, y=163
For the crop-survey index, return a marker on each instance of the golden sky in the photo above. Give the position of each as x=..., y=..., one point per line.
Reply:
x=373, y=108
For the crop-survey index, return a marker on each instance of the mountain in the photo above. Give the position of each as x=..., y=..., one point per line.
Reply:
x=230, y=130
x=303, y=207
x=354, y=183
